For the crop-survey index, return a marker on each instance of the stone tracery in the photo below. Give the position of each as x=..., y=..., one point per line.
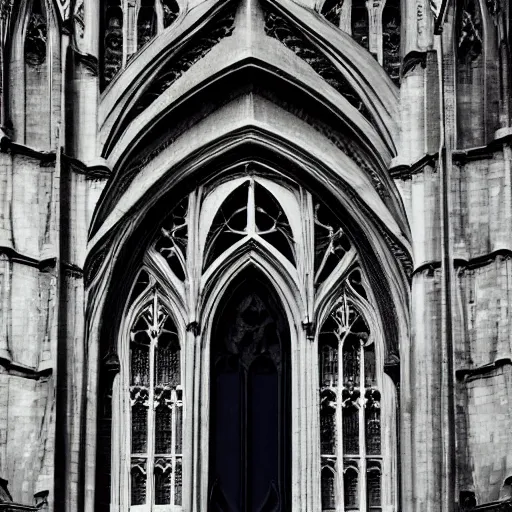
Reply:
x=155, y=407
x=350, y=399
x=357, y=402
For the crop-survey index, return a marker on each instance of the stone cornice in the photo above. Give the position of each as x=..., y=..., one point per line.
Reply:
x=30, y=261
x=43, y=265
x=466, y=264
x=94, y=170
x=98, y=170
x=8, y=146
x=466, y=373
x=18, y=370
x=405, y=171
x=459, y=157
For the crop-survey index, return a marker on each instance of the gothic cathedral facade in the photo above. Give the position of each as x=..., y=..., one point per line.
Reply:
x=255, y=255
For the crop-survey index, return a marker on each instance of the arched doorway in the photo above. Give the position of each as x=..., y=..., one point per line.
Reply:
x=249, y=407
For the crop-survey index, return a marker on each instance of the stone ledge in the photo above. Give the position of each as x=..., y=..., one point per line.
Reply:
x=465, y=373
x=398, y=169
x=16, y=507
x=17, y=257
x=469, y=264
x=44, y=265
x=94, y=170
x=17, y=370
x=495, y=506
x=8, y=146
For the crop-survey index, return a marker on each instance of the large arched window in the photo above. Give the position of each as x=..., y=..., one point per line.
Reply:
x=254, y=285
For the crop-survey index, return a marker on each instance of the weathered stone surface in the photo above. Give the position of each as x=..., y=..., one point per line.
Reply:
x=112, y=112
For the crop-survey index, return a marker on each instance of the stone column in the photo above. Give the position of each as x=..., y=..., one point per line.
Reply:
x=79, y=150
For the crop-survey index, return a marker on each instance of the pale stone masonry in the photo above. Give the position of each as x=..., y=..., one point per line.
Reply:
x=395, y=117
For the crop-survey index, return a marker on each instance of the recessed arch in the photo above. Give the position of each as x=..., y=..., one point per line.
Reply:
x=282, y=281
x=250, y=448
x=227, y=131
x=364, y=230
x=36, y=24
x=201, y=299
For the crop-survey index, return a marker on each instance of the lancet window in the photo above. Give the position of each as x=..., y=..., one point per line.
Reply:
x=350, y=428
x=36, y=36
x=112, y=40
x=156, y=408
x=32, y=98
x=146, y=22
x=477, y=75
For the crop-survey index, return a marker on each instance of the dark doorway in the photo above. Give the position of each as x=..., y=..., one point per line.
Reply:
x=250, y=409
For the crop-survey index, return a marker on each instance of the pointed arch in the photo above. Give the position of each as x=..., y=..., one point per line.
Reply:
x=34, y=66
x=221, y=146
x=328, y=483
x=477, y=75
x=144, y=85
x=143, y=436
x=111, y=58
x=250, y=210
x=285, y=284
x=238, y=128
x=250, y=344
x=146, y=23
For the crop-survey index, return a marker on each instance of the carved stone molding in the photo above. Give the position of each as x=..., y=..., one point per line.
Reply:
x=484, y=370
x=469, y=264
x=278, y=27
x=194, y=328
x=46, y=158
x=97, y=171
x=88, y=61
x=220, y=27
